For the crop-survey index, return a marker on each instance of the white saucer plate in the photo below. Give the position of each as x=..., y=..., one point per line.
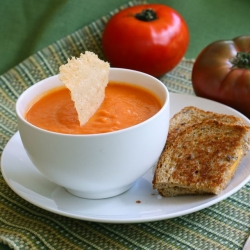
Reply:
x=139, y=204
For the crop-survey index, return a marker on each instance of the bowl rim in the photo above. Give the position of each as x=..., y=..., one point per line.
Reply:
x=24, y=93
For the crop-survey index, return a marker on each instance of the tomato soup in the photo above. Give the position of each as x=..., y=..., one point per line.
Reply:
x=124, y=105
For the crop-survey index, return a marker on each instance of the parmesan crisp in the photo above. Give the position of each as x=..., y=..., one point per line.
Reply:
x=86, y=77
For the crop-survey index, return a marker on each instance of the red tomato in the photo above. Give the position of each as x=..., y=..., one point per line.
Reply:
x=151, y=38
x=221, y=72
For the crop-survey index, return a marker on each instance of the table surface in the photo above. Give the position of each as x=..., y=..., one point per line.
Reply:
x=29, y=26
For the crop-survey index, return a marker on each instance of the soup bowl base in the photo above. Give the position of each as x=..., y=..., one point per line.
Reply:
x=100, y=195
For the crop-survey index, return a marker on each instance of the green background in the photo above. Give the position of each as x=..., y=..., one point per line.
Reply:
x=27, y=26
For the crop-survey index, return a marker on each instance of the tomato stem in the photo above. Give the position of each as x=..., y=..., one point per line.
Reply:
x=146, y=15
x=241, y=60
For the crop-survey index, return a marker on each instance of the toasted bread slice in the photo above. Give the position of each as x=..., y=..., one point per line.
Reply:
x=202, y=159
x=191, y=115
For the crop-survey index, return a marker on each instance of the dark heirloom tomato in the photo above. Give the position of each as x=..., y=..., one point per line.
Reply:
x=151, y=38
x=221, y=72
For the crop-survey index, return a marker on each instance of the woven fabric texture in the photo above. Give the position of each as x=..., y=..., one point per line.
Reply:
x=224, y=225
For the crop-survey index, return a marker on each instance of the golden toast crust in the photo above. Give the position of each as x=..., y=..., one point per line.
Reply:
x=191, y=115
x=198, y=158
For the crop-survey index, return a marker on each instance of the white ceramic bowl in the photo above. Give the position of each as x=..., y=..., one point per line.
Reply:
x=100, y=165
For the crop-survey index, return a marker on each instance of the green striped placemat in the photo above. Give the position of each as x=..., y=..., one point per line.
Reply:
x=225, y=225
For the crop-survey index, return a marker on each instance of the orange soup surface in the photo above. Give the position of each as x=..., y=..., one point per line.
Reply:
x=124, y=105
